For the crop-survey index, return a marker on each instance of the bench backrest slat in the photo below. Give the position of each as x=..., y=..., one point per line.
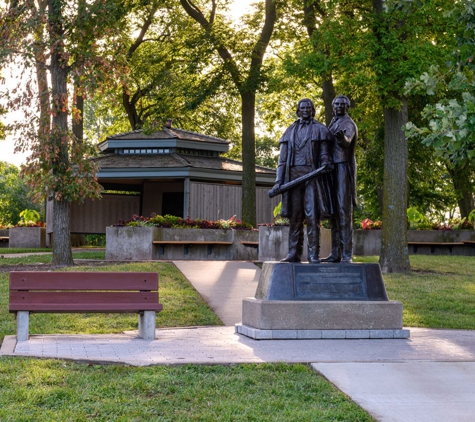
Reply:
x=45, y=280
x=84, y=301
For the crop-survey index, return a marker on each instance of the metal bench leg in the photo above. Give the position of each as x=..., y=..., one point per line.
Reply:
x=22, y=323
x=147, y=325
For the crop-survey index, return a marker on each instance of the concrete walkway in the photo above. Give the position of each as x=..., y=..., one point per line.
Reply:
x=428, y=377
x=223, y=284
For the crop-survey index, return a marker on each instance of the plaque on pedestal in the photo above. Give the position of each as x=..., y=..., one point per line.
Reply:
x=284, y=281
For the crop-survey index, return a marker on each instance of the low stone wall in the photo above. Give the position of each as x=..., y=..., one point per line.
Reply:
x=136, y=243
x=368, y=242
x=274, y=243
x=27, y=237
x=129, y=243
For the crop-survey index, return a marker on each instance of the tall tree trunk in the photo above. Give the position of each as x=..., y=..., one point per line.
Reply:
x=44, y=126
x=461, y=177
x=78, y=122
x=394, y=251
x=310, y=11
x=328, y=95
x=248, y=101
x=130, y=108
x=62, y=253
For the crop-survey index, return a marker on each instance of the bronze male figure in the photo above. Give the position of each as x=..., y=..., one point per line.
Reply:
x=344, y=178
x=304, y=147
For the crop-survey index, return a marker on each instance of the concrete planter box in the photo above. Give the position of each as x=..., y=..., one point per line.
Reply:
x=274, y=243
x=136, y=243
x=440, y=235
x=27, y=237
x=129, y=243
x=368, y=242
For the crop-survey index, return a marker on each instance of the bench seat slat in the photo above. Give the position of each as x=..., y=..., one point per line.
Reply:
x=87, y=307
x=435, y=243
x=44, y=280
x=190, y=242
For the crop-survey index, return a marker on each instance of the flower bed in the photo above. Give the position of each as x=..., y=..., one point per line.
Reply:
x=170, y=221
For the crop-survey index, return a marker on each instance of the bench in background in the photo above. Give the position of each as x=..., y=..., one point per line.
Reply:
x=189, y=243
x=434, y=245
x=81, y=292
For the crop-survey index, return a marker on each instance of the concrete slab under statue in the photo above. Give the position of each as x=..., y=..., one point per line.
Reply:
x=321, y=301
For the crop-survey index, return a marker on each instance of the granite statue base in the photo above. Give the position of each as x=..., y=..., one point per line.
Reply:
x=321, y=301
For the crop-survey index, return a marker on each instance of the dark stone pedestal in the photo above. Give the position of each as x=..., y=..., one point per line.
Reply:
x=321, y=301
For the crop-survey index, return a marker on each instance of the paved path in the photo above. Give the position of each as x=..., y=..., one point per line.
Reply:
x=428, y=377
x=408, y=391
x=223, y=284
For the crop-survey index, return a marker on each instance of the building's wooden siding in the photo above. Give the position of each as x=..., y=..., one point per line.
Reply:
x=215, y=202
x=265, y=206
x=94, y=216
x=206, y=201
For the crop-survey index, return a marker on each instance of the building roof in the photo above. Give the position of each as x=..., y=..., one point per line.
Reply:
x=166, y=137
x=116, y=166
x=170, y=153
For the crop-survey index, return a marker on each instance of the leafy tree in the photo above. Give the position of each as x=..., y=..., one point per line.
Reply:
x=73, y=38
x=450, y=112
x=367, y=50
x=172, y=72
x=15, y=196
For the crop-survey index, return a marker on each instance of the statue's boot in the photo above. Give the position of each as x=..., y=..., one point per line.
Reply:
x=346, y=242
x=335, y=254
x=295, y=246
x=313, y=234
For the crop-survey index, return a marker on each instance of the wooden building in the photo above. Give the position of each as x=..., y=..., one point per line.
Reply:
x=171, y=171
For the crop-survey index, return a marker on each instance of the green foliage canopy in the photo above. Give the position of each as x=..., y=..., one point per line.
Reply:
x=15, y=196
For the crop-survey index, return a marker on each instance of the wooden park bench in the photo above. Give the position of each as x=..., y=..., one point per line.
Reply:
x=84, y=292
x=434, y=245
x=469, y=243
x=189, y=243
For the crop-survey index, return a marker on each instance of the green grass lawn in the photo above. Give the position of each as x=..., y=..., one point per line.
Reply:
x=439, y=293
x=48, y=390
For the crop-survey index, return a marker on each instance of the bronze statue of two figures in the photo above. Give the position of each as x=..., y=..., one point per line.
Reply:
x=316, y=176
